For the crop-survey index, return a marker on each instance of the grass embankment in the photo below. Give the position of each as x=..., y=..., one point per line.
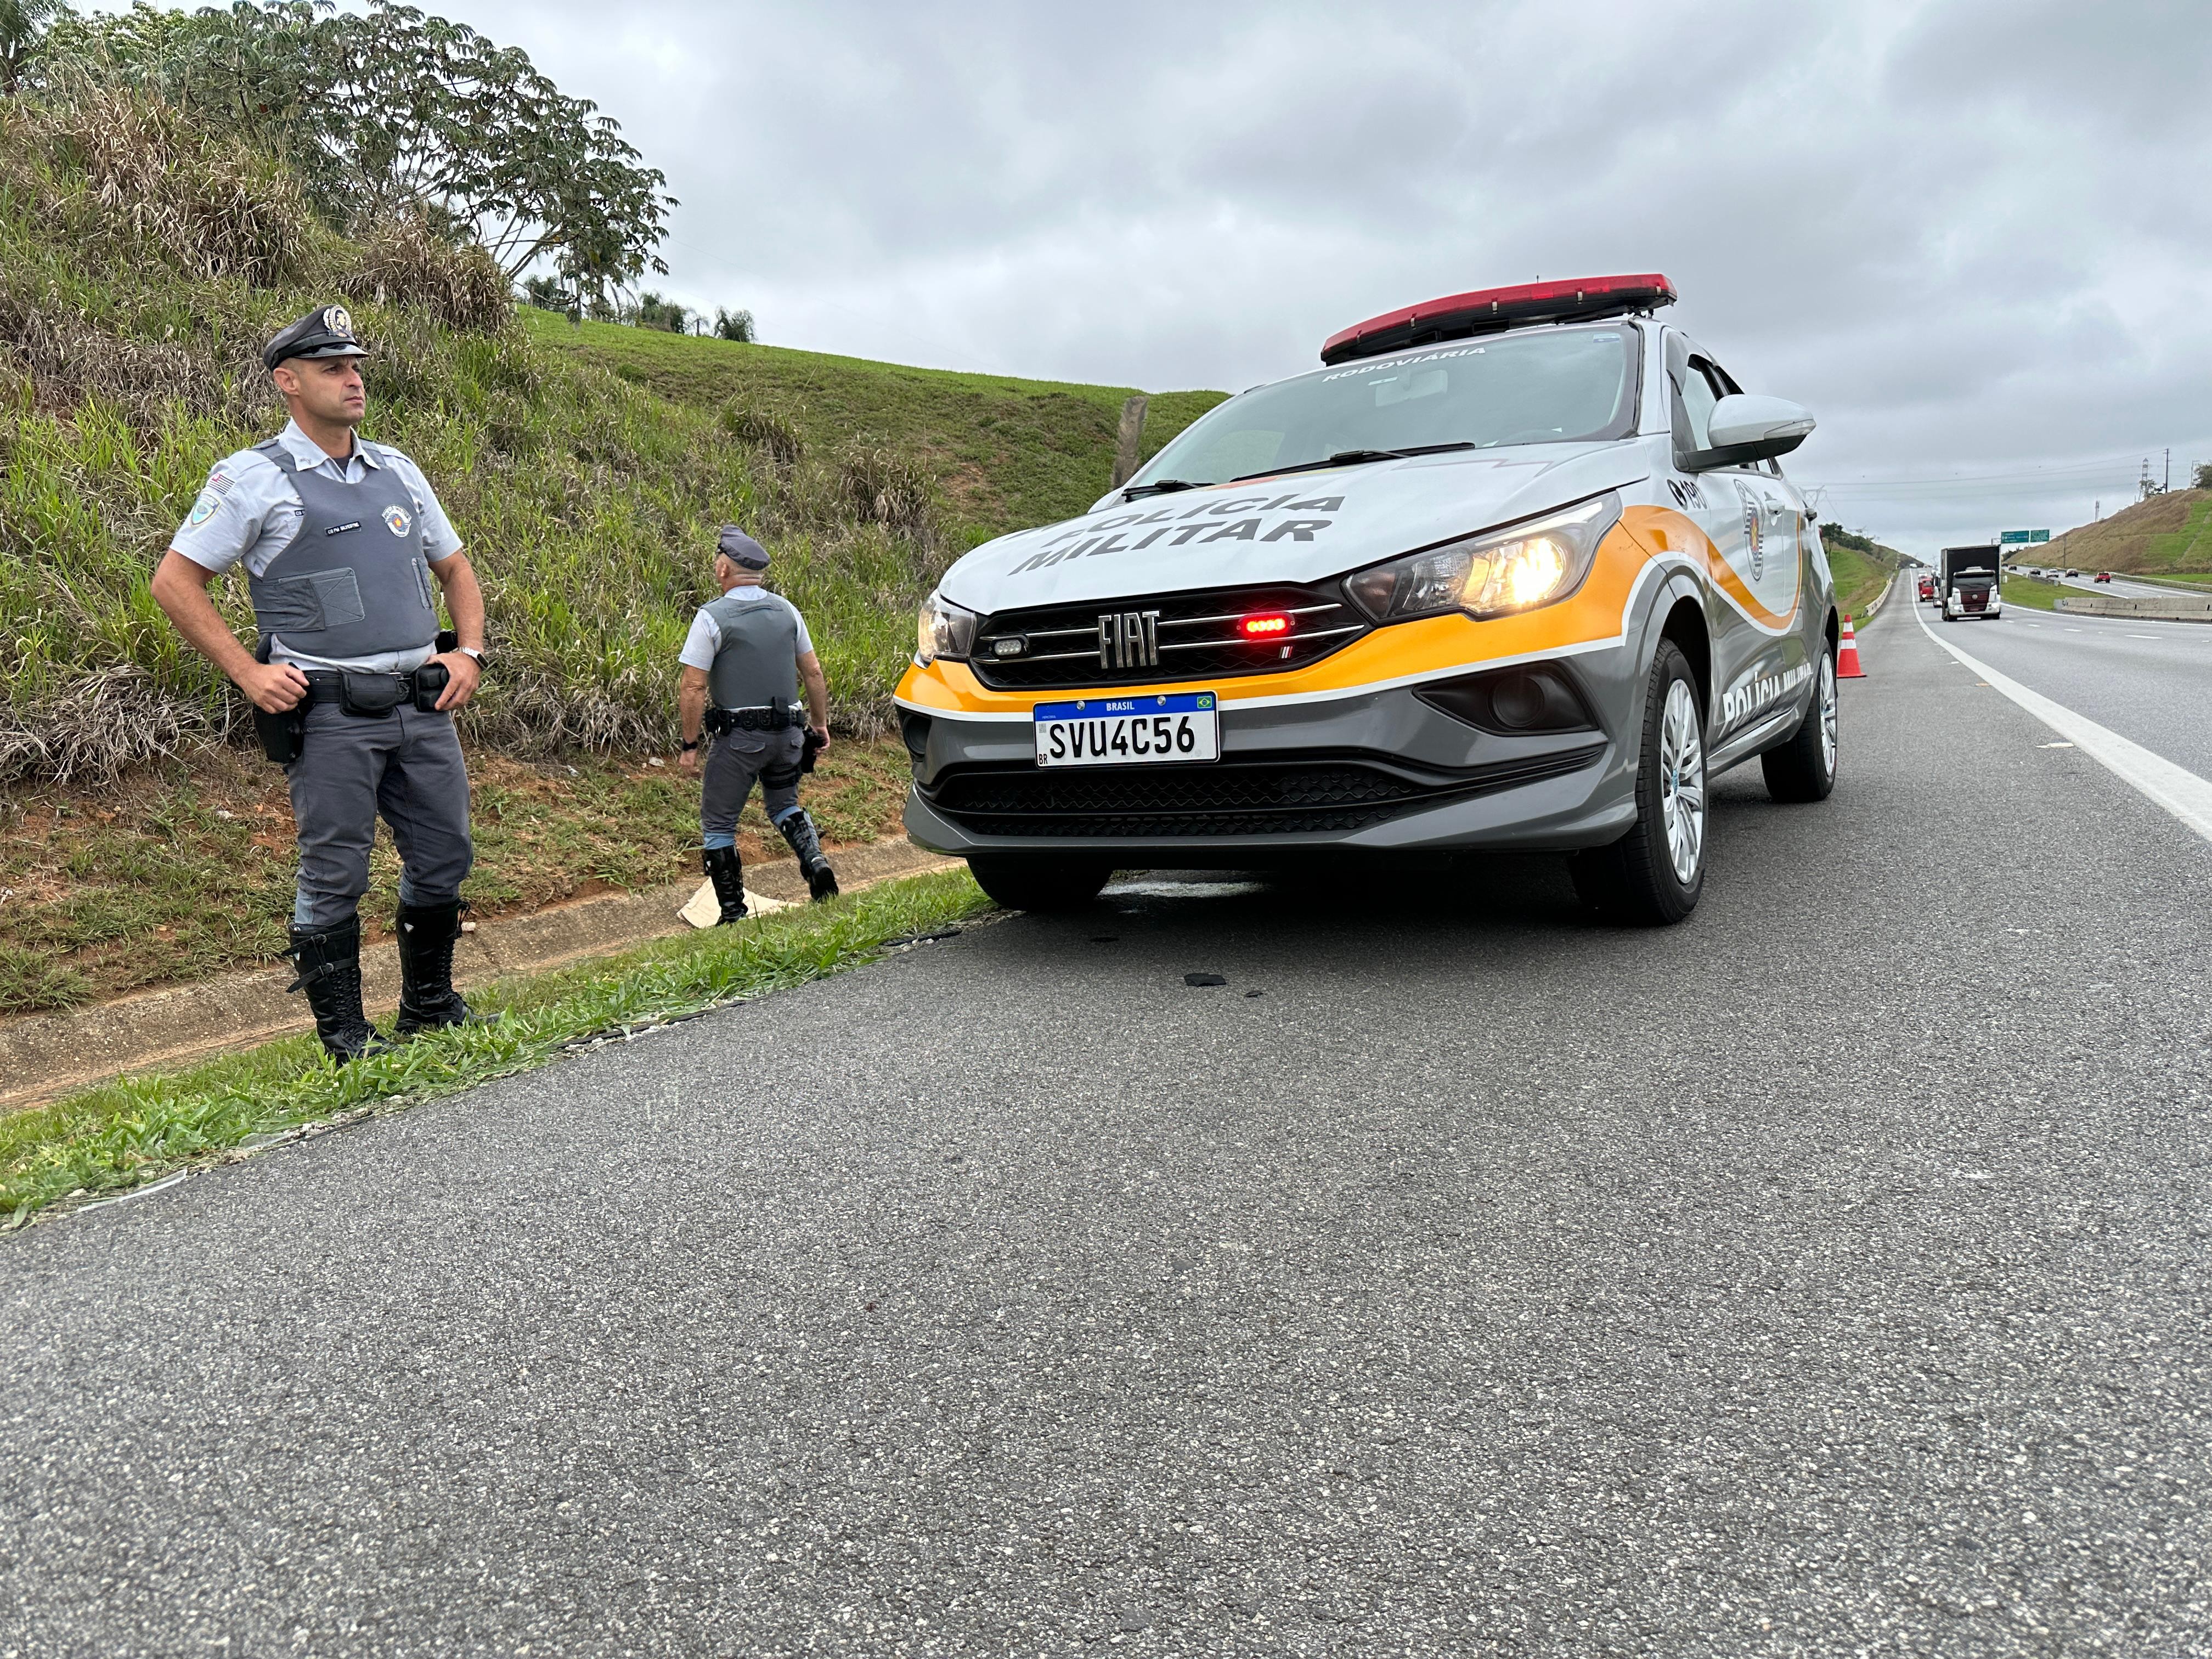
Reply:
x=2169, y=535
x=1002, y=453
x=178, y=871
x=118, y=1136
x=1859, y=579
x=142, y=263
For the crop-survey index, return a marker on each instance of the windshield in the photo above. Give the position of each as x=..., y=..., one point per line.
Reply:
x=1561, y=385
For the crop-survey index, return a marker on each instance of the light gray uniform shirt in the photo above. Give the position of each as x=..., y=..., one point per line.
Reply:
x=249, y=511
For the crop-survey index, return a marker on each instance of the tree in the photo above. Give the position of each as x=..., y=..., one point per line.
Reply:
x=22, y=24
x=735, y=325
x=2203, y=476
x=653, y=311
x=397, y=112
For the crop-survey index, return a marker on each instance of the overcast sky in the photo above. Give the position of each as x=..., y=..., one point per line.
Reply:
x=1973, y=237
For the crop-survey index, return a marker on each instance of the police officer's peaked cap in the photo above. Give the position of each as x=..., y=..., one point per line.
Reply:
x=742, y=550
x=326, y=332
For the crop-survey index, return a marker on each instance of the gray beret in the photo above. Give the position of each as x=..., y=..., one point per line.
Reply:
x=742, y=550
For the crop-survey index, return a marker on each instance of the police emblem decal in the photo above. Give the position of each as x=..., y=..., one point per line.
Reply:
x=203, y=509
x=337, y=320
x=396, y=519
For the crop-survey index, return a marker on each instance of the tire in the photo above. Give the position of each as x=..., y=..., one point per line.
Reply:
x=1652, y=876
x=1020, y=881
x=1804, y=768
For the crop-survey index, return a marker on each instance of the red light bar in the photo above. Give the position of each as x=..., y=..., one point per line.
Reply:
x=1487, y=309
x=1265, y=627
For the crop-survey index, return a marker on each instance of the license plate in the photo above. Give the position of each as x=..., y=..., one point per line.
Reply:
x=1139, y=731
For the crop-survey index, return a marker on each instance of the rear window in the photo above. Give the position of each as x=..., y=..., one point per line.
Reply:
x=1559, y=386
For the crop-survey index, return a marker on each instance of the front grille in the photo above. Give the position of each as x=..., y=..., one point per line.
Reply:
x=1167, y=637
x=1248, y=797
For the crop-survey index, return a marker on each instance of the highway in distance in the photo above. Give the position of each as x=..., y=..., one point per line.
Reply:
x=1823, y=1276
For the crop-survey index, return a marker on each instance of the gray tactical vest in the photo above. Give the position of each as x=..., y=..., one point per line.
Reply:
x=758, y=662
x=353, y=582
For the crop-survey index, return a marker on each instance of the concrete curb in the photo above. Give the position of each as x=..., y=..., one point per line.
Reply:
x=48, y=1055
x=2159, y=610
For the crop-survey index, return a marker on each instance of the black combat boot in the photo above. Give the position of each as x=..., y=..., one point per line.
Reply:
x=428, y=1000
x=729, y=879
x=329, y=963
x=821, y=879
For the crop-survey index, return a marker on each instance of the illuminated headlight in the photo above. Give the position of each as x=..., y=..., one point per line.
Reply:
x=1531, y=564
x=944, y=630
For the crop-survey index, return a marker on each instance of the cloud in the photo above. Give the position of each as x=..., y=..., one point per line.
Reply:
x=1970, y=236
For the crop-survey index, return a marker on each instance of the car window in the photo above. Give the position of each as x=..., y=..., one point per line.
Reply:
x=1695, y=398
x=1561, y=385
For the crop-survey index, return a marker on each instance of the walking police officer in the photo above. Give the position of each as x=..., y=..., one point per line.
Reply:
x=742, y=661
x=353, y=685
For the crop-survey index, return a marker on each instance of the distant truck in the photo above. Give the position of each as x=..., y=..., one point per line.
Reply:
x=1966, y=583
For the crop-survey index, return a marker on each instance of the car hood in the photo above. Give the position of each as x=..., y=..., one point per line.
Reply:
x=1296, y=528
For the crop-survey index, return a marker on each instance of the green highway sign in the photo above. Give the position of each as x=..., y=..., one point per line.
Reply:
x=2024, y=534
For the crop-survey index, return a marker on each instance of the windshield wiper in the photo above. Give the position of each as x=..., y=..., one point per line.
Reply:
x=1355, y=458
x=1157, y=487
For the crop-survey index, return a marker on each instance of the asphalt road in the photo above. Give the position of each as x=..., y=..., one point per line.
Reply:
x=2119, y=586
x=2149, y=681
x=1823, y=1277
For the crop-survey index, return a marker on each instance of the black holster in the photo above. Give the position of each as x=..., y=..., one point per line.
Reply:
x=283, y=734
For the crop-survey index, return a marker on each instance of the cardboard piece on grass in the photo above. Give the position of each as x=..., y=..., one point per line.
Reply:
x=703, y=907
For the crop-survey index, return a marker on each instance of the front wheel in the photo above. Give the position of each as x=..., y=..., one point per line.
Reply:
x=1025, y=882
x=1804, y=768
x=1651, y=877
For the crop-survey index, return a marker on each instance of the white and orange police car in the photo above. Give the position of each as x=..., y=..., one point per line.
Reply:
x=1515, y=569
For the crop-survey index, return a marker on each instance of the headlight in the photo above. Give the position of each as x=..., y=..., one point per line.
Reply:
x=944, y=630
x=1518, y=569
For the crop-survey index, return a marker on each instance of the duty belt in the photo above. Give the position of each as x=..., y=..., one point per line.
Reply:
x=775, y=718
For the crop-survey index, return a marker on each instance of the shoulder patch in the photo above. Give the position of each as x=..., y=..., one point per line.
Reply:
x=220, y=482
x=203, y=508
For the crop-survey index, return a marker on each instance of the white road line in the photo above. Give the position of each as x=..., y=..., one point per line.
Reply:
x=2176, y=788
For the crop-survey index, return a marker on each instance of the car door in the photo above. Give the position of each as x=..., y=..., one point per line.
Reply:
x=1754, y=522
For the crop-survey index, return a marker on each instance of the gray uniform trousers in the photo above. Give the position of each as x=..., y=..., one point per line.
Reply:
x=407, y=766
x=738, y=757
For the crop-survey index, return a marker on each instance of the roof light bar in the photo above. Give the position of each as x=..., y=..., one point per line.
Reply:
x=1488, y=309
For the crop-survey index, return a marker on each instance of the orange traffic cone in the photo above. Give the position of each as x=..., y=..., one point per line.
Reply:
x=1847, y=655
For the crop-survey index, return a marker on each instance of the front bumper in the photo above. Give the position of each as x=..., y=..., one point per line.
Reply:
x=1376, y=772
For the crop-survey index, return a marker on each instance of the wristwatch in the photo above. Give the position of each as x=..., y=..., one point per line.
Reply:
x=473, y=651
x=689, y=746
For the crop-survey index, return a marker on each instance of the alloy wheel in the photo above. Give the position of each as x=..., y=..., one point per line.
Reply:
x=1682, y=781
x=1828, y=712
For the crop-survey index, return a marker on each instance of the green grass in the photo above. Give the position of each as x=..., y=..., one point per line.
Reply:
x=1859, y=579
x=2035, y=593
x=1006, y=454
x=116, y=1137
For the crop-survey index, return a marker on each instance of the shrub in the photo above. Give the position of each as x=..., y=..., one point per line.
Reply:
x=768, y=430
x=735, y=325
x=405, y=261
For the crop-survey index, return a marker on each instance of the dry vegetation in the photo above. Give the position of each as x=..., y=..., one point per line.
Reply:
x=2167, y=535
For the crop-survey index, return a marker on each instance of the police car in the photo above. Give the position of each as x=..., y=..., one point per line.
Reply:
x=1513, y=568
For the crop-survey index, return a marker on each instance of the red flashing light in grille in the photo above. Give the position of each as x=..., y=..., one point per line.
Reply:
x=1267, y=627
x=1487, y=309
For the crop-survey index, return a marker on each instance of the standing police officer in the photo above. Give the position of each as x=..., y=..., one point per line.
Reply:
x=743, y=660
x=340, y=538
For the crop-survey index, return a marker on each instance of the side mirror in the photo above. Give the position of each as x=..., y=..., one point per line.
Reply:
x=1745, y=429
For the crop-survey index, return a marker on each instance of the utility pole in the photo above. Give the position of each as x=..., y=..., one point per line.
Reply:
x=2169, y=470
